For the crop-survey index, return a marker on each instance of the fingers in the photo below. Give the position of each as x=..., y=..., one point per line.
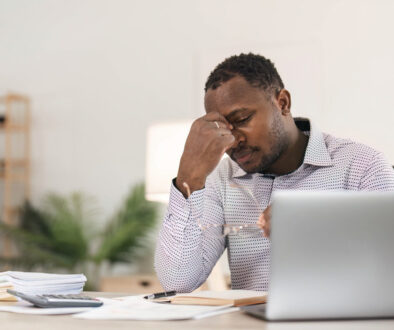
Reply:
x=219, y=118
x=209, y=138
x=264, y=222
x=261, y=221
x=217, y=124
x=222, y=131
x=227, y=140
x=267, y=211
x=223, y=128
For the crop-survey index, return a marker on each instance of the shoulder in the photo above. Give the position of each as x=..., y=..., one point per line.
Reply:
x=363, y=164
x=341, y=149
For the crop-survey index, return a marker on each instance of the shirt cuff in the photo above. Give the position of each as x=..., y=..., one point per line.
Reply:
x=185, y=211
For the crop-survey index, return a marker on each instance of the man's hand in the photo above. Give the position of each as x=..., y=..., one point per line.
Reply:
x=264, y=221
x=209, y=138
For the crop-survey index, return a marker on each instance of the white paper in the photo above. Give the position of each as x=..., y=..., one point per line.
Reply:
x=33, y=278
x=24, y=307
x=50, y=289
x=138, y=308
x=42, y=283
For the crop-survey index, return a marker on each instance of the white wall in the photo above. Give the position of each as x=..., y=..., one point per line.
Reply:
x=99, y=72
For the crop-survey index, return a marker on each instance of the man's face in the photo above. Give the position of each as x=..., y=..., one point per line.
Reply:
x=258, y=125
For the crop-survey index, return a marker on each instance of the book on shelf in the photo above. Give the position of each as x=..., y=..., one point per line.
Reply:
x=218, y=298
x=39, y=283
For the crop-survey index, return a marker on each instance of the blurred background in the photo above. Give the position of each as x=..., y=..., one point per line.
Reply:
x=90, y=91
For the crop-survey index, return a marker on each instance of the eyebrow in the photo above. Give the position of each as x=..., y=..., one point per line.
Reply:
x=236, y=112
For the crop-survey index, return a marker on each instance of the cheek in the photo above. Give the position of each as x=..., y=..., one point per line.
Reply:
x=258, y=135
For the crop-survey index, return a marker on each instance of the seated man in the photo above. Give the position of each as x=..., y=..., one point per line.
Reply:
x=248, y=117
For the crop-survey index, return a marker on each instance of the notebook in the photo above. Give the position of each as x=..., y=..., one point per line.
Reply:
x=218, y=298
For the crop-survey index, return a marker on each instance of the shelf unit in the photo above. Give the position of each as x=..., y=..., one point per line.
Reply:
x=14, y=161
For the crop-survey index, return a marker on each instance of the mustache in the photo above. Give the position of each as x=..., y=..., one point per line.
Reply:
x=241, y=151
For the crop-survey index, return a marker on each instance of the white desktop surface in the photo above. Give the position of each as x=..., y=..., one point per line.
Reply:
x=236, y=320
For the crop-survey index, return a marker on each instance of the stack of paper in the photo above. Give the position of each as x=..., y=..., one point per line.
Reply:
x=39, y=283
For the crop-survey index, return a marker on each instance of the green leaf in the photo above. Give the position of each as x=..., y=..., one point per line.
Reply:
x=63, y=234
x=126, y=230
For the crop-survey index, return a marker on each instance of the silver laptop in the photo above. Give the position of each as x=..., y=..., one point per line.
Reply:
x=332, y=255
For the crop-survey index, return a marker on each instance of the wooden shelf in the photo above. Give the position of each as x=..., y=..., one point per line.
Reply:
x=13, y=127
x=13, y=177
x=14, y=171
x=13, y=162
x=14, y=97
x=12, y=215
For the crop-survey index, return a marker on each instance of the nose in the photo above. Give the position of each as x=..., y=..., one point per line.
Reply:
x=239, y=137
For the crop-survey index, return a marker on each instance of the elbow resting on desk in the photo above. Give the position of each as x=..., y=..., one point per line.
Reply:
x=177, y=275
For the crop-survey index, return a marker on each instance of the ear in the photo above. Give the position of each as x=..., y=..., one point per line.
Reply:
x=284, y=101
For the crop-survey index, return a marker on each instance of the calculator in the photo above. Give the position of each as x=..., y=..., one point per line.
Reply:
x=57, y=300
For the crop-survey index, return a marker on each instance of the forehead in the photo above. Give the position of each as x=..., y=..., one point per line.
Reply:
x=234, y=94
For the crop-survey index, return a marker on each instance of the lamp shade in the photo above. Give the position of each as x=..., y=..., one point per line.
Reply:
x=165, y=143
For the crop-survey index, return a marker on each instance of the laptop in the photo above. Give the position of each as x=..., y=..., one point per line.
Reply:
x=332, y=256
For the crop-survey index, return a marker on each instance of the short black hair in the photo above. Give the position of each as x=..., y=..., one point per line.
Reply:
x=256, y=69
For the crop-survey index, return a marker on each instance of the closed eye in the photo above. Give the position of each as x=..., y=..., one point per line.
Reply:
x=242, y=120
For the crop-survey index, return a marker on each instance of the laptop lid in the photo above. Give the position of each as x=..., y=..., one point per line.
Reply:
x=332, y=255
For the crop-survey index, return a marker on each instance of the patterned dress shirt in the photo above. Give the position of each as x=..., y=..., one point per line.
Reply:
x=185, y=256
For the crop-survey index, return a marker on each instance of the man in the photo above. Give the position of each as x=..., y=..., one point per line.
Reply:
x=248, y=117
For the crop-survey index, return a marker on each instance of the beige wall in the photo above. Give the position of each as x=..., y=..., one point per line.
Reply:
x=100, y=71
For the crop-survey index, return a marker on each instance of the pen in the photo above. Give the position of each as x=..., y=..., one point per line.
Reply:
x=160, y=295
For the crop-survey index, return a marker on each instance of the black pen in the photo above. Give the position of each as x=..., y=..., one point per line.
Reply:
x=160, y=295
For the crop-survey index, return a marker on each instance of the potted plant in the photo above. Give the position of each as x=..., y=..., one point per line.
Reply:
x=63, y=236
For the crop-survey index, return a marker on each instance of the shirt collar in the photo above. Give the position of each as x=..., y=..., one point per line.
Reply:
x=316, y=151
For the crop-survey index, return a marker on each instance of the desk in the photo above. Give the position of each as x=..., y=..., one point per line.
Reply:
x=231, y=321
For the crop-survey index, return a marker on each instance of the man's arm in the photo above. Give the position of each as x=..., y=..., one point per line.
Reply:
x=184, y=255
x=209, y=138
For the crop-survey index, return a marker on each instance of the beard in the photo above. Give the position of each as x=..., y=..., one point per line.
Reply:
x=279, y=142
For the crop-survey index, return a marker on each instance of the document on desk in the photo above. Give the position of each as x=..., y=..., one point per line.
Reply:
x=24, y=307
x=138, y=308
